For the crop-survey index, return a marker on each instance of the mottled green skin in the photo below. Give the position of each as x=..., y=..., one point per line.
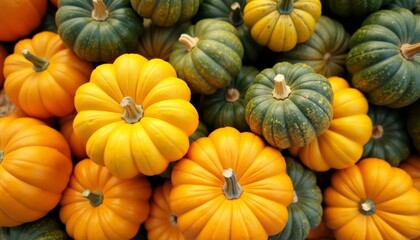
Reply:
x=166, y=13
x=307, y=212
x=394, y=144
x=329, y=37
x=214, y=61
x=98, y=41
x=413, y=124
x=376, y=64
x=218, y=112
x=353, y=9
x=296, y=120
x=45, y=228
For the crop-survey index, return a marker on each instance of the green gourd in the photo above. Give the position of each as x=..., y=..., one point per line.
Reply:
x=46, y=228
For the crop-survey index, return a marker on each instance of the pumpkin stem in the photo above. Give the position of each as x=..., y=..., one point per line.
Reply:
x=40, y=64
x=281, y=90
x=377, y=132
x=367, y=207
x=236, y=17
x=295, y=197
x=99, y=12
x=285, y=6
x=132, y=111
x=410, y=50
x=173, y=220
x=95, y=198
x=6, y=106
x=232, y=95
x=231, y=188
x=1, y=155
x=188, y=41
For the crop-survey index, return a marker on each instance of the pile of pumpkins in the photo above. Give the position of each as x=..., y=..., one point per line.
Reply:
x=210, y=119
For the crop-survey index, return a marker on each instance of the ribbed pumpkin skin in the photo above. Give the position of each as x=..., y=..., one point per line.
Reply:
x=296, y=120
x=215, y=59
x=357, y=9
x=166, y=13
x=226, y=107
x=98, y=41
x=390, y=140
x=305, y=211
x=409, y=4
x=45, y=228
x=413, y=124
x=396, y=202
x=375, y=60
x=412, y=166
x=3, y=55
x=325, y=51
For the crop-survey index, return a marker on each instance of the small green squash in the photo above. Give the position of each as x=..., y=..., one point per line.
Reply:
x=226, y=107
x=98, y=30
x=413, y=124
x=409, y=4
x=305, y=211
x=208, y=55
x=384, y=58
x=390, y=140
x=289, y=105
x=47, y=228
x=353, y=9
x=325, y=51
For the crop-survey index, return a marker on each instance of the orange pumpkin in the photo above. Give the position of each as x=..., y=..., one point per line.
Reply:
x=3, y=55
x=372, y=200
x=162, y=223
x=412, y=166
x=341, y=145
x=19, y=18
x=78, y=149
x=98, y=205
x=42, y=76
x=35, y=166
x=231, y=185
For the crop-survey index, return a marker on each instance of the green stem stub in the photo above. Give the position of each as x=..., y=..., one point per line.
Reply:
x=285, y=6
x=1, y=155
x=39, y=63
x=367, y=207
x=95, y=198
x=231, y=188
x=236, y=17
x=173, y=220
x=132, y=112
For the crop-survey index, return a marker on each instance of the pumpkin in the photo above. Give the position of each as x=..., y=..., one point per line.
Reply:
x=42, y=76
x=305, y=211
x=31, y=155
x=98, y=205
x=389, y=140
x=413, y=124
x=98, y=30
x=166, y=13
x=353, y=9
x=162, y=223
x=20, y=17
x=226, y=107
x=342, y=144
x=321, y=231
x=281, y=24
x=383, y=59
x=208, y=55
x=3, y=54
x=77, y=147
x=156, y=41
x=230, y=185
x=325, y=51
x=409, y=4
x=132, y=116
x=6, y=107
x=289, y=105
x=44, y=228
x=412, y=166
x=372, y=200
x=232, y=12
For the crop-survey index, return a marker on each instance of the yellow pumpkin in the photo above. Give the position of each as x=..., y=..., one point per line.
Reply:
x=341, y=145
x=135, y=116
x=281, y=24
x=231, y=185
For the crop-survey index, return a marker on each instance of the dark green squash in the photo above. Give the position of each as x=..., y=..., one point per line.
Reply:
x=384, y=58
x=232, y=12
x=289, y=105
x=305, y=212
x=325, y=51
x=408, y=4
x=166, y=13
x=390, y=140
x=413, y=124
x=46, y=228
x=353, y=9
x=98, y=32
x=226, y=107
x=208, y=55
